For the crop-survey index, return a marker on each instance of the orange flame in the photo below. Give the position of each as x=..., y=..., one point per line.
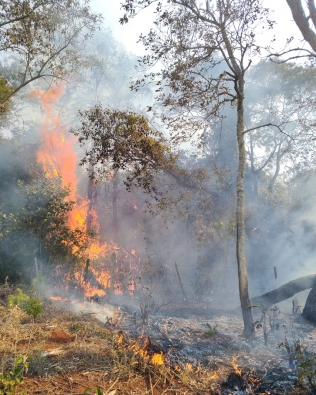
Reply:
x=58, y=298
x=58, y=158
x=235, y=366
x=157, y=359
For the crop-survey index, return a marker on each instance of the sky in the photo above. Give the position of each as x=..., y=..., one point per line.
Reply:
x=128, y=34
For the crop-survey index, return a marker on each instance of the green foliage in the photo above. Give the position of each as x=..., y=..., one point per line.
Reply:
x=9, y=380
x=123, y=141
x=304, y=360
x=211, y=331
x=5, y=91
x=46, y=213
x=17, y=299
x=306, y=367
x=34, y=223
x=17, y=162
x=76, y=327
x=32, y=307
x=97, y=391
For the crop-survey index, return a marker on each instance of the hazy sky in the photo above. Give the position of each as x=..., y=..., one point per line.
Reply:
x=129, y=33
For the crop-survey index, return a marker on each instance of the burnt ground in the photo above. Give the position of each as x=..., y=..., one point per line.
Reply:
x=202, y=351
x=213, y=339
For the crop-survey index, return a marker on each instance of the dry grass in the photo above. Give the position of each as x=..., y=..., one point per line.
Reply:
x=69, y=353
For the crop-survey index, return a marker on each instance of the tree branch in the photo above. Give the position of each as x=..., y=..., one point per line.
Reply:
x=268, y=124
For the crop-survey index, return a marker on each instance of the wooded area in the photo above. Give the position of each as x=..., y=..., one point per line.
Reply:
x=196, y=176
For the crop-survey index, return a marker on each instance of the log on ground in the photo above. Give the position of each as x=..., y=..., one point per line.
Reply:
x=284, y=292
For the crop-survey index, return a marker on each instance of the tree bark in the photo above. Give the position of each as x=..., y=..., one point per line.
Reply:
x=312, y=11
x=240, y=214
x=286, y=291
x=309, y=311
x=91, y=189
x=302, y=21
x=114, y=207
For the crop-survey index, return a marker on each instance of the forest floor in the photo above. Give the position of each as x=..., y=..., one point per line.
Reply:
x=180, y=350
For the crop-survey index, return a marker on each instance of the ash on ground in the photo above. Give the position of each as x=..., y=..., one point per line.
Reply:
x=213, y=339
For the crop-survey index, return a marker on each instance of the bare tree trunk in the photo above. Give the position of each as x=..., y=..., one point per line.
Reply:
x=114, y=206
x=240, y=214
x=113, y=269
x=302, y=21
x=252, y=168
x=91, y=199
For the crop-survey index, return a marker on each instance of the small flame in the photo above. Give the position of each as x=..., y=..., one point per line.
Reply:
x=214, y=376
x=58, y=298
x=189, y=367
x=157, y=359
x=120, y=338
x=235, y=366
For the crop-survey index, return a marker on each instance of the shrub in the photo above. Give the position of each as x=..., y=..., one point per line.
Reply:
x=17, y=299
x=9, y=380
x=32, y=307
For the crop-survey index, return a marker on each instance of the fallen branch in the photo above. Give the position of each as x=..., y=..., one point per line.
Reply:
x=284, y=292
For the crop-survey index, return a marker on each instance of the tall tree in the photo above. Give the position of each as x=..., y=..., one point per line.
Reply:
x=42, y=39
x=206, y=51
x=280, y=93
x=306, y=23
x=304, y=16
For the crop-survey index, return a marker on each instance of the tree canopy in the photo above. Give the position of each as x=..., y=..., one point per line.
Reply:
x=42, y=39
x=122, y=141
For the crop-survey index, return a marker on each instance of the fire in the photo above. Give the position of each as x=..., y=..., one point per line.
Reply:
x=92, y=291
x=235, y=366
x=157, y=359
x=140, y=351
x=103, y=277
x=58, y=158
x=58, y=298
x=57, y=155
